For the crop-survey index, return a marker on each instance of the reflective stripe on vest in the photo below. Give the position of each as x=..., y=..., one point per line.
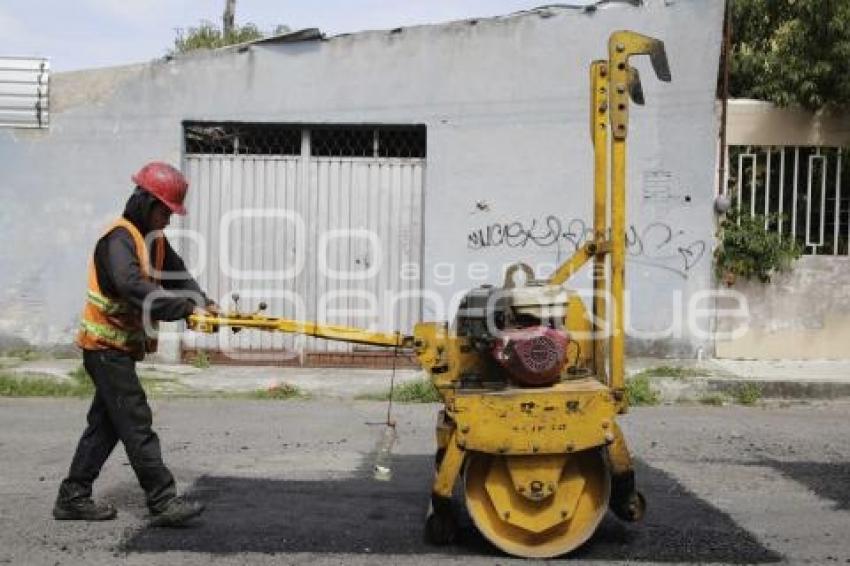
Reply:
x=110, y=323
x=105, y=304
x=112, y=334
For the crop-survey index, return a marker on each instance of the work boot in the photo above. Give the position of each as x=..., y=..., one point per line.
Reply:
x=176, y=513
x=83, y=509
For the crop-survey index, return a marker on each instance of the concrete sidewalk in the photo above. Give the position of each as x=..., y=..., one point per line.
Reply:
x=343, y=383
x=806, y=379
x=773, y=379
x=692, y=381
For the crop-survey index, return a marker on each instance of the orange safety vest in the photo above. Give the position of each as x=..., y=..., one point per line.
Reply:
x=112, y=323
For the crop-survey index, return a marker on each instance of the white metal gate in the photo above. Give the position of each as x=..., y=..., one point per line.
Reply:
x=324, y=238
x=798, y=191
x=789, y=167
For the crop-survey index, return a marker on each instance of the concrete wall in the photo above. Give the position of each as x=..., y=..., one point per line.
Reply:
x=803, y=314
x=755, y=122
x=505, y=102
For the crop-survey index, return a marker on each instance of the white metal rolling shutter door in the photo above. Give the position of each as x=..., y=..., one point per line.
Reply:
x=382, y=196
x=222, y=184
x=358, y=196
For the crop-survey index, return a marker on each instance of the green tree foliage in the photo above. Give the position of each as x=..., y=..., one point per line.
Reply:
x=791, y=52
x=209, y=36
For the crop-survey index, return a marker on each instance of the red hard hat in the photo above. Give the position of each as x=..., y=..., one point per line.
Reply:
x=165, y=183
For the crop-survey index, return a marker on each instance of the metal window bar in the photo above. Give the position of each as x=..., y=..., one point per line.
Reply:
x=740, y=188
x=816, y=158
x=762, y=182
x=753, y=185
x=781, y=189
x=767, y=189
x=837, y=219
x=794, y=198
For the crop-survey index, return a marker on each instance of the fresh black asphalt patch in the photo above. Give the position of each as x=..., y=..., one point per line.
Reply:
x=362, y=516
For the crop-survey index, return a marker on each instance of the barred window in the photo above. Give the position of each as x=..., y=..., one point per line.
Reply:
x=342, y=142
x=233, y=138
x=402, y=142
x=368, y=141
x=230, y=138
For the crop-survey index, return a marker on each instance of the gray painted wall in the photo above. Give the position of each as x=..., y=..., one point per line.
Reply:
x=505, y=101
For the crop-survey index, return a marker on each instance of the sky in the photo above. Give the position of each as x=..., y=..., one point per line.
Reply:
x=79, y=34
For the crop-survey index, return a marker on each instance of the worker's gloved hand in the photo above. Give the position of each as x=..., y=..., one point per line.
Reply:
x=201, y=311
x=202, y=326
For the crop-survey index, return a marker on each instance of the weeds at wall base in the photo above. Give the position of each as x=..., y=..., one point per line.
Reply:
x=747, y=394
x=419, y=391
x=640, y=392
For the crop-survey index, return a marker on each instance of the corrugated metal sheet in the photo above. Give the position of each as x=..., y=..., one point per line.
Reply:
x=24, y=92
x=377, y=202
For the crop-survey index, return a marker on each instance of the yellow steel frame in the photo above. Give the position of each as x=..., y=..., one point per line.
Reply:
x=618, y=453
x=573, y=264
x=209, y=324
x=568, y=417
x=449, y=469
x=621, y=46
x=610, y=84
x=599, y=138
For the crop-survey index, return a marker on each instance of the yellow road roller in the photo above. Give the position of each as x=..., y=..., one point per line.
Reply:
x=532, y=380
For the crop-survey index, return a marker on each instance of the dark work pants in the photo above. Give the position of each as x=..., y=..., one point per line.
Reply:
x=119, y=411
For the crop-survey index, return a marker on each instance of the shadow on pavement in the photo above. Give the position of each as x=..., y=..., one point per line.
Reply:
x=363, y=516
x=827, y=479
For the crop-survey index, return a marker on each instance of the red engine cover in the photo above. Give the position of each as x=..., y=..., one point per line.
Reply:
x=533, y=356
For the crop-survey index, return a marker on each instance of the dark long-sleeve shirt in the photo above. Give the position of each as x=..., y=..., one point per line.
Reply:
x=120, y=275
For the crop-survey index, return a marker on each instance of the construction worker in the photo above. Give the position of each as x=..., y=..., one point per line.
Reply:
x=134, y=276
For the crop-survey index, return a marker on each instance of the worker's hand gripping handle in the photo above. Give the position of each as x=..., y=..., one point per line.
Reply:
x=205, y=323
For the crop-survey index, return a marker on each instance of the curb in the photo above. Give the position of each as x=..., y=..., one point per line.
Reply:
x=672, y=390
x=785, y=389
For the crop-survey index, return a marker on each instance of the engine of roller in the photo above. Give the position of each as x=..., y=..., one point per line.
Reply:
x=520, y=329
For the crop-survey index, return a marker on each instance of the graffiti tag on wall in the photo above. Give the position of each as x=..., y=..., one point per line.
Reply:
x=657, y=244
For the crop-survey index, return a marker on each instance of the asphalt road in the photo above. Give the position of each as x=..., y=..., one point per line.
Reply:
x=291, y=482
